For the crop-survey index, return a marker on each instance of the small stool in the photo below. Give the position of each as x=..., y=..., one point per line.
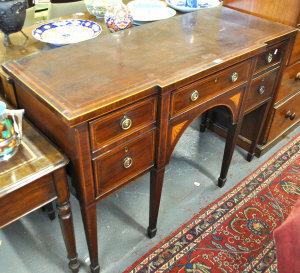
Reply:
x=32, y=178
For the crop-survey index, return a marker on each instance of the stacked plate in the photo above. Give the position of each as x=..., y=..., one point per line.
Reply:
x=149, y=10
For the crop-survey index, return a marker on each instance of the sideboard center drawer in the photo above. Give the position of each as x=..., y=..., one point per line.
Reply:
x=196, y=93
x=114, y=168
x=113, y=126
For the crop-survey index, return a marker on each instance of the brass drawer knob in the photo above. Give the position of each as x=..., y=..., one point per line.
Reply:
x=125, y=123
x=297, y=77
x=261, y=90
x=269, y=58
x=290, y=115
x=234, y=76
x=194, y=95
x=127, y=162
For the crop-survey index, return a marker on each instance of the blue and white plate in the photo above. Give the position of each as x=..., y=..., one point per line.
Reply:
x=192, y=5
x=65, y=32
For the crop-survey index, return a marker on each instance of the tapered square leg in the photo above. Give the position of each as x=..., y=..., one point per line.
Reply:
x=261, y=120
x=89, y=217
x=156, y=182
x=231, y=139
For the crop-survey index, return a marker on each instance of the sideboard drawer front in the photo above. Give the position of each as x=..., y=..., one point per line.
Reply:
x=290, y=82
x=261, y=89
x=285, y=115
x=121, y=123
x=191, y=95
x=270, y=57
x=124, y=162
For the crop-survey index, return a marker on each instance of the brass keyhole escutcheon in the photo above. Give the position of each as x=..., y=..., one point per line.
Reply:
x=195, y=95
x=261, y=90
x=125, y=123
x=269, y=58
x=234, y=76
x=297, y=77
x=127, y=162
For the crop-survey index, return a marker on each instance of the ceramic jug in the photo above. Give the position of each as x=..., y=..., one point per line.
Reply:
x=10, y=131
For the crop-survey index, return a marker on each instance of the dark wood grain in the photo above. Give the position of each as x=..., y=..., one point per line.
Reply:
x=285, y=12
x=109, y=128
x=133, y=60
x=276, y=55
x=295, y=55
x=289, y=82
x=32, y=178
x=261, y=89
x=30, y=197
x=208, y=88
x=109, y=169
x=280, y=120
x=79, y=94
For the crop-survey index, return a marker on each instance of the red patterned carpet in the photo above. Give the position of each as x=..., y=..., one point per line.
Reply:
x=235, y=233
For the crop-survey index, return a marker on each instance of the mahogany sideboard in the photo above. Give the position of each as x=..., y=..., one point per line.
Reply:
x=282, y=114
x=118, y=105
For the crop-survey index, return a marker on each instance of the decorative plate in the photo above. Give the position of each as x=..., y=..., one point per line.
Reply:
x=192, y=5
x=147, y=10
x=65, y=32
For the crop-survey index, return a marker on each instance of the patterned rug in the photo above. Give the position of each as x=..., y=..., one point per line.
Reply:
x=235, y=233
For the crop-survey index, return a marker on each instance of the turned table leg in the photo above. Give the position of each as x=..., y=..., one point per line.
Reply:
x=156, y=182
x=89, y=217
x=231, y=139
x=65, y=217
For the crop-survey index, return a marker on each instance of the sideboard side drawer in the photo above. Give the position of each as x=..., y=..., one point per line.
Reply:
x=205, y=89
x=270, y=57
x=261, y=89
x=286, y=114
x=121, y=123
x=119, y=165
x=290, y=82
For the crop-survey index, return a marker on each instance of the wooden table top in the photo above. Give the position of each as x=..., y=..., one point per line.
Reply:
x=35, y=158
x=82, y=81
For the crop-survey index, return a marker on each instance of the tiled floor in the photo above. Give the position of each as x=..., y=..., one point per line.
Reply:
x=34, y=244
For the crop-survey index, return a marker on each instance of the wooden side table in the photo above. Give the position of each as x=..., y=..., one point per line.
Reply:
x=32, y=178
